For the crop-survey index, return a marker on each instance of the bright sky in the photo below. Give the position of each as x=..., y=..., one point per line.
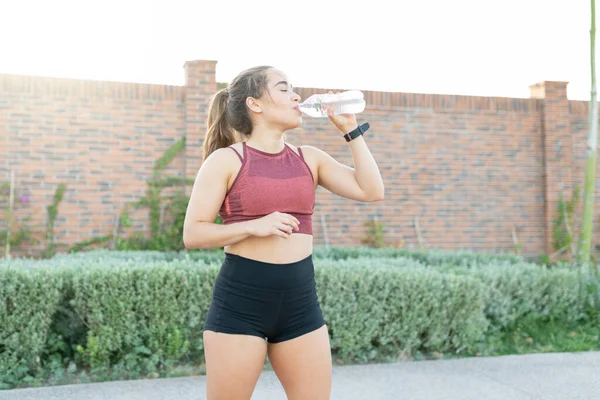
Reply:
x=470, y=47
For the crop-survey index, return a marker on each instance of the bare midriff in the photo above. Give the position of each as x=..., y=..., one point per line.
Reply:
x=274, y=249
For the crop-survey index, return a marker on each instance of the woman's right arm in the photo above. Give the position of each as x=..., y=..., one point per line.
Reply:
x=208, y=192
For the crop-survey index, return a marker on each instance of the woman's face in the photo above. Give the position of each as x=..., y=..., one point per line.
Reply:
x=279, y=104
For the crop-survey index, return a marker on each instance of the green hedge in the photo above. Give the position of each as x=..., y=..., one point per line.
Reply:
x=144, y=311
x=429, y=257
x=375, y=311
x=512, y=291
x=28, y=302
x=150, y=313
x=515, y=291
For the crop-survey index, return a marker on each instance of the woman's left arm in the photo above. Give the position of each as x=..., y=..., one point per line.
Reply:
x=361, y=183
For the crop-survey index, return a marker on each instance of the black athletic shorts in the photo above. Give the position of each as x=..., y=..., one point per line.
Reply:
x=276, y=302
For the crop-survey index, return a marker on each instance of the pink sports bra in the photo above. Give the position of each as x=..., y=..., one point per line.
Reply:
x=269, y=182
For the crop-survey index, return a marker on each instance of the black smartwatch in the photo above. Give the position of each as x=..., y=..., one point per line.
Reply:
x=361, y=129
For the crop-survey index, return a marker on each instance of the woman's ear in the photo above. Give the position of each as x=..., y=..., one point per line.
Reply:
x=253, y=105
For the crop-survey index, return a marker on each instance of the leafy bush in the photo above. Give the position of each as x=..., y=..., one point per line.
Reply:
x=378, y=311
x=431, y=257
x=139, y=312
x=28, y=301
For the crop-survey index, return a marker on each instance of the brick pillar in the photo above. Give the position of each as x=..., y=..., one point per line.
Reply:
x=557, y=149
x=200, y=85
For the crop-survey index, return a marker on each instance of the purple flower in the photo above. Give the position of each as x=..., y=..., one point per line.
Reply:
x=24, y=198
x=5, y=191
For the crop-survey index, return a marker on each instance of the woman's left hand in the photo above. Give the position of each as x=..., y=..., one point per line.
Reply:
x=344, y=122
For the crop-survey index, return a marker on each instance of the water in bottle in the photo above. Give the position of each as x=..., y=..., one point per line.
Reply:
x=349, y=102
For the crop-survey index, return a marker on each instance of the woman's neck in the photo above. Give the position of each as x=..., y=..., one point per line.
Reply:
x=267, y=141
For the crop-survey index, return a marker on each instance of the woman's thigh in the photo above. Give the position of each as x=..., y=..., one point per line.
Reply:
x=303, y=365
x=233, y=364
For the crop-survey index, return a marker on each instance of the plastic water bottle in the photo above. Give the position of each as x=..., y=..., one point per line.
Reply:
x=349, y=102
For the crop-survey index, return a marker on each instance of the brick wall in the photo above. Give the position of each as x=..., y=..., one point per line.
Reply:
x=469, y=169
x=99, y=138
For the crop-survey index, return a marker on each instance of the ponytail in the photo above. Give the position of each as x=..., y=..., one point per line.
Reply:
x=220, y=133
x=228, y=117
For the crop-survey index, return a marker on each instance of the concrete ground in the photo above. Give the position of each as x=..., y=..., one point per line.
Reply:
x=553, y=376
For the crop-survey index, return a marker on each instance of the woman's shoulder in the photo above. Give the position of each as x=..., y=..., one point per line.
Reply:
x=308, y=150
x=312, y=155
x=224, y=158
x=239, y=147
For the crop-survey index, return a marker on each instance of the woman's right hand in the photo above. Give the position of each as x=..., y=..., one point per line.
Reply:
x=278, y=224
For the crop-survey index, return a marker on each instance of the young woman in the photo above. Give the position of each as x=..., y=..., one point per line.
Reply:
x=264, y=298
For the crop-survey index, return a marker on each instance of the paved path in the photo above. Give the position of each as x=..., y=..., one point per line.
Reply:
x=554, y=376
